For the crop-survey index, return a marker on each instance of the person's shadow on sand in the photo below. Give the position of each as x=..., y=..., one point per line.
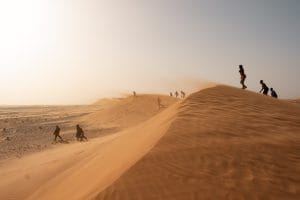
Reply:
x=61, y=142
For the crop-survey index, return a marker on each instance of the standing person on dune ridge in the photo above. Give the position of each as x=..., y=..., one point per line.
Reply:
x=243, y=76
x=182, y=94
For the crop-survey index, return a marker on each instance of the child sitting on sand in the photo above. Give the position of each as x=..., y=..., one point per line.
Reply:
x=273, y=93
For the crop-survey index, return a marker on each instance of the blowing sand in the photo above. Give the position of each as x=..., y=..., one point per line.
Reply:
x=219, y=143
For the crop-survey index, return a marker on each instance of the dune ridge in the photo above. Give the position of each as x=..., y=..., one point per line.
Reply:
x=122, y=113
x=219, y=143
x=80, y=170
x=225, y=143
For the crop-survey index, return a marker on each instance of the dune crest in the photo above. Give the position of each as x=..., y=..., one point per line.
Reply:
x=80, y=170
x=121, y=113
x=219, y=143
x=225, y=143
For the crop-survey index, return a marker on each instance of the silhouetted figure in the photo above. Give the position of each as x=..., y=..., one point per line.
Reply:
x=264, y=88
x=134, y=93
x=56, y=134
x=182, y=94
x=176, y=94
x=159, y=103
x=80, y=133
x=171, y=94
x=273, y=93
x=243, y=76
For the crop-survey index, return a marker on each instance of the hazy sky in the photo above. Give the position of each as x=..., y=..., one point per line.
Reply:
x=76, y=51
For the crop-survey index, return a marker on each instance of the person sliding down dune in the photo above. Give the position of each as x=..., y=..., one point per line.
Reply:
x=80, y=133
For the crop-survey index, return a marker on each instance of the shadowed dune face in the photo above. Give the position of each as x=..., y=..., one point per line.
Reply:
x=225, y=143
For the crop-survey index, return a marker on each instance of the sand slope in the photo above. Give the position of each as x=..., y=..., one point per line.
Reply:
x=81, y=170
x=219, y=143
x=224, y=144
x=127, y=112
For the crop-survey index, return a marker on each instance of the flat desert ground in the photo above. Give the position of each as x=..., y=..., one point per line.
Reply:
x=218, y=143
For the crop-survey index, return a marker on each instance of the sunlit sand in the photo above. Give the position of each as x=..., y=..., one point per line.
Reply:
x=218, y=143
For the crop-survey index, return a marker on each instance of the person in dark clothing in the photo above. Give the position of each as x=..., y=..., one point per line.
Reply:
x=176, y=94
x=273, y=93
x=80, y=133
x=171, y=94
x=243, y=76
x=182, y=94
x=56, y=134
x=159, y=103
x=264, y=88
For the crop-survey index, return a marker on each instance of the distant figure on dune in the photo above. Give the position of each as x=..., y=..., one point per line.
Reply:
x=56, y=134
x=134, y=93
x=176, y=94
x=80, y=133
x=264, y=88
x=243, y=76
x=171, y=94
x=182, y=94
x=273, y=93
x=159, y=103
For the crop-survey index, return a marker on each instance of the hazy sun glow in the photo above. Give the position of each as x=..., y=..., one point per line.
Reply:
x=75, y=51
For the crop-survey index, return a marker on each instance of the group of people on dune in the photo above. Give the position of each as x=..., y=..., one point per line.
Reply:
x=264, y=89
x=159, y=104
x=176, y=94
x=79, y=134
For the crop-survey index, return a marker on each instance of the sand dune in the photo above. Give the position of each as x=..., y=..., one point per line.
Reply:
x=296, y=101
x=219, y=143
x=224, y=144
x=80, y=170
x=126, y=112
x=26, y=130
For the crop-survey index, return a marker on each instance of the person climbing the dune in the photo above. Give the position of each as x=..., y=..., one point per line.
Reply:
x=171, y=94
x=159, y=103
x=264, y=88
x=57, y=134
x=273, y=93
x=80, y=133
x=176, y=94
x=182, y=94
x=243, y=76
